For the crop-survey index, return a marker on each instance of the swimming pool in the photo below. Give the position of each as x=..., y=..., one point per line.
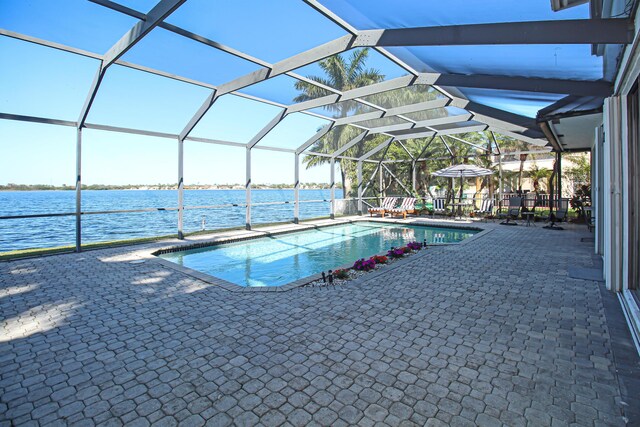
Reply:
x=285, y=258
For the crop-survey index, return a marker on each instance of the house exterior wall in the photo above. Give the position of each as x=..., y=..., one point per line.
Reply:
x=617, y=185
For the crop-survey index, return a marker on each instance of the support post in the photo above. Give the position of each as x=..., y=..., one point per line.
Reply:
x=79, y=190
x=296, y=189
x=500, y=184
x=413, y=176
x=180, y=189
x=381, y=183
x=559, y=177
x=332, y=187
x=359, y=187
x=247, y=190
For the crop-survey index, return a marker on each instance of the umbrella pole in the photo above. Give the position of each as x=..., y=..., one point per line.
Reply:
x=460, y=199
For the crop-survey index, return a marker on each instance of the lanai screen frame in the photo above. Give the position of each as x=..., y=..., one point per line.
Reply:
x=480, y=117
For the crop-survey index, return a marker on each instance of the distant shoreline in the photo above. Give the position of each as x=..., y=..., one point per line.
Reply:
x=15, y=187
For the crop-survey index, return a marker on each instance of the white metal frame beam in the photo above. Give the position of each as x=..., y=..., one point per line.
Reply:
x=319, y=134
x=478, y=147
x=350, y=144
x=377, y=88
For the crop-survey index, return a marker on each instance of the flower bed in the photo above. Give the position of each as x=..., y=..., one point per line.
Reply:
x=363, y=266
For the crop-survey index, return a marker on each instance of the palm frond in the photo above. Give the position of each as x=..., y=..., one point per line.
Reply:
x=357, y=63
x=309, y=90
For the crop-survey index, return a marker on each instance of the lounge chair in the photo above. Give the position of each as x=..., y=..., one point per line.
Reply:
x=439, y=207
x=513, y=212
x=486, y=209
x=387, y=203
x=408, y=206
x=560, y=215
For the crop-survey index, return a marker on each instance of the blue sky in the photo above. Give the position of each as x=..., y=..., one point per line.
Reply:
x=45, y=82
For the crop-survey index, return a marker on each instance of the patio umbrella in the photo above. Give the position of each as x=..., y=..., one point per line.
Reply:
x=462, y=171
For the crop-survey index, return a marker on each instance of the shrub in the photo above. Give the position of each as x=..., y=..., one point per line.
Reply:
x=406, y=249
x=380, y=259
x=396, y=253
x=364, y=265
x=341, y=273
x=414, y=246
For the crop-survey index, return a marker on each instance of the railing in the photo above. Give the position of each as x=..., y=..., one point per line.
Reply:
x=530, y=201
x=343, y=204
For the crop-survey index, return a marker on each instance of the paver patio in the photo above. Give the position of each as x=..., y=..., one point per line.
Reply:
x=486, y=333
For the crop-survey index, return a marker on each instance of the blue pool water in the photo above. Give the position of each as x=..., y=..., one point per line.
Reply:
x=278, y=260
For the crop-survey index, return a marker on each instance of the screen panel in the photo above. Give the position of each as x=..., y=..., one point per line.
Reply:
x=545, y=61
x=269, y=30
x=172, y=53
x=335, y=71
x=367, y=14
x=139, y=100
x=38, y=169
x=44, y=82
x=236, y=119
x=293, y=131
x=75, y=23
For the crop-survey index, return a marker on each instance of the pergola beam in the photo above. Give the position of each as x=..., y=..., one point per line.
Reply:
x=575, y=31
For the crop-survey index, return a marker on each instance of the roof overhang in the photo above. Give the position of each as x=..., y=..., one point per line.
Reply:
x=573, y=133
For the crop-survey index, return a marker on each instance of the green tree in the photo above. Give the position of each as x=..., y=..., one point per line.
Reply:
x=538, y=176
x=579, y=171
x=343, y=74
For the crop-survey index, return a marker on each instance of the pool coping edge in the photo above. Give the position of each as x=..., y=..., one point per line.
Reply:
x=224, y=284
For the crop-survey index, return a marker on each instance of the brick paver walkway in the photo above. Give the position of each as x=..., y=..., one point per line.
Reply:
x=486, y=333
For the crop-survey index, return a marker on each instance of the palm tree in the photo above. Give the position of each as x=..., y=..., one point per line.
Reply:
x=537, y=175
x=341, y=74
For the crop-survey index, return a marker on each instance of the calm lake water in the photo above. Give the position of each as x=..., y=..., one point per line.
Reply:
x=59, y=231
